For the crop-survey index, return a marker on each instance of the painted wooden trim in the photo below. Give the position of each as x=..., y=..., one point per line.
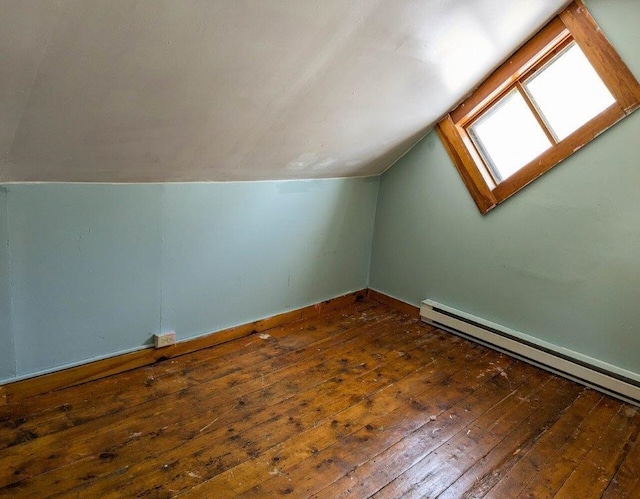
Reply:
x=13, y=392
x=399, y=305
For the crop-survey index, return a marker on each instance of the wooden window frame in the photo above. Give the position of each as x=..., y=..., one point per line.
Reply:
x=575, y=23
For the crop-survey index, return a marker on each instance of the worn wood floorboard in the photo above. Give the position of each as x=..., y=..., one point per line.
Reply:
x=162, y=379
x=184, y=402
x=534, y=459
x=359, y=402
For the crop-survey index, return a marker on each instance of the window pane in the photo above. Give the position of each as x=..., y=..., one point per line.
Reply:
x=568, y=92
x=509, y=136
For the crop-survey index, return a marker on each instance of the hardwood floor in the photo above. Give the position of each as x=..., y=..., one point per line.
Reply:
x=363, y=401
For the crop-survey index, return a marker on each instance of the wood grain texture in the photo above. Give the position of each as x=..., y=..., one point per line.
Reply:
x=399, y=305
x=359, y=401
x=462, y=155
x=602, y=55
x=554, y=155
x=572, y=24
x=518, y=65
x=91, y=371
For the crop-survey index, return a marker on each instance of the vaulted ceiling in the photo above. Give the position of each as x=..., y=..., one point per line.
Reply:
x=200, y=90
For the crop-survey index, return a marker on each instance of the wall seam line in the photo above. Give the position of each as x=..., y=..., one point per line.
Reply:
x=10, y=277
x=373, y=231
x=162, y=270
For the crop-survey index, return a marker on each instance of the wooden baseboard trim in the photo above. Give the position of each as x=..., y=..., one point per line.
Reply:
x=13, y=392
x=399, y=305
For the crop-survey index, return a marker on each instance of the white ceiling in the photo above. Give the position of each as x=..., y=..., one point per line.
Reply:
x=197, y=90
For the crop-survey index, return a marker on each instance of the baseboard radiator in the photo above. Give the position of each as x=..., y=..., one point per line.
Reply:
x=586, y=370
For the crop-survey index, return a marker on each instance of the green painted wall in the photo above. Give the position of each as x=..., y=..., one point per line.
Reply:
x=97, y=269
x=91, y=270
x=236, y=252
x=85, y=264
x=7, y=351
x=559, y=261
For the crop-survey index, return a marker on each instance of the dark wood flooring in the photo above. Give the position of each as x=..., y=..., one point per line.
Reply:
x=364, y=401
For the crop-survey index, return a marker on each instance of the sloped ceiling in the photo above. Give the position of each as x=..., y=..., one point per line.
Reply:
x=198, y=90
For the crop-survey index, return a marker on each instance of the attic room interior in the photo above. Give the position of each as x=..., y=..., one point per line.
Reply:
x=324, y=249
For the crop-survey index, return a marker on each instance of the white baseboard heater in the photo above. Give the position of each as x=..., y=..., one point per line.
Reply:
x=573, y=365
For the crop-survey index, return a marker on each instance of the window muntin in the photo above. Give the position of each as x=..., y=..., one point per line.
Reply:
x=568, y=92
x=548, y=106
x=508, y=136
x=529, y=71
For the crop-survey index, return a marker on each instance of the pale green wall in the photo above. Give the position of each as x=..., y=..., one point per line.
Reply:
x=93, y=270
x=251, y=250
x=97, y=269
x=559, y=261
x=85, y=265
x=7, y=358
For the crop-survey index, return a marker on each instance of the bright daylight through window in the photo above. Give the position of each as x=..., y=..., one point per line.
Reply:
x=558, y=92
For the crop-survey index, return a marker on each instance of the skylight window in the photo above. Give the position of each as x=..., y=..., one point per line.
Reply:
x=558, y=92
x=508, y=136
x=568, y=92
